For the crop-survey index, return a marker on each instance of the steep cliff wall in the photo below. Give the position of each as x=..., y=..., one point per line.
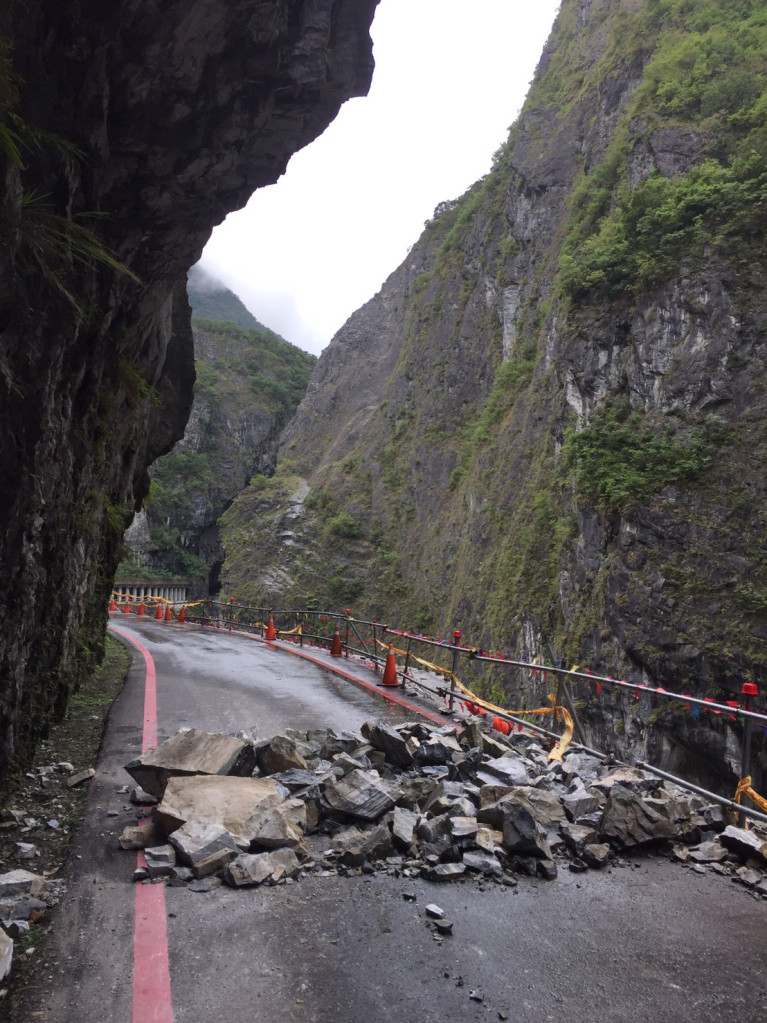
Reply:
x=549, y=425
x=133, y=127
x=249, y=383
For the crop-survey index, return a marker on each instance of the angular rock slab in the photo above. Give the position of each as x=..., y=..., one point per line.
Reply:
x=279, y=754
x=137, y=837
x=255, y=868
x=389, y=742
x=522, y=834
x=744, y=843
x=361, y=794
x=483, y=863
x=508, y=770
x=355, y=846
x=6, y=954
x=21, y=882
x=629, y=822
x=189, y=752
x=233, y=803
x=403, y=825
x=160, y=860
x=204, y=847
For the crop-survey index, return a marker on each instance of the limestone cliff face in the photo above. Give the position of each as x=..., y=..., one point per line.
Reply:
x=547, y=429
x=178, y=111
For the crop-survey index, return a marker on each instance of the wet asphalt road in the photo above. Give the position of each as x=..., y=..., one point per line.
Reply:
x=648, y=943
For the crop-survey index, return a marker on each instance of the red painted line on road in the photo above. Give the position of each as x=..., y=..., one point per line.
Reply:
x=151, y=966
x=149, y=733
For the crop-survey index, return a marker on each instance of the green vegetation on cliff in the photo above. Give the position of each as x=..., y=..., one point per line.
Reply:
x=706, y=80
x=249, y=382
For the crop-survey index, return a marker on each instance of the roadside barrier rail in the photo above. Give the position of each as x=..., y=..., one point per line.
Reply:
x=372, y=641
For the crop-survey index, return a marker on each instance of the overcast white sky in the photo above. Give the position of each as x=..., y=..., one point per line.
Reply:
x=450, y=78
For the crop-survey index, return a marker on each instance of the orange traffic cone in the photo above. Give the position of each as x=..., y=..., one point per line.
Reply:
x=182, y=615
x=126, y=608
x=158, y=612
x=390, y=671
x=141, y=608
x=335, y=646
x=168, y=615
x=271, y=633
x=112, y=605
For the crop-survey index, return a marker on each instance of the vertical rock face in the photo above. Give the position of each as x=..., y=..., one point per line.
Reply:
x=140, y=126
x=549, y=424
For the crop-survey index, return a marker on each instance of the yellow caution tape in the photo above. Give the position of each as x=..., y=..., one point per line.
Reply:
x=560, y=713
x=744, y=789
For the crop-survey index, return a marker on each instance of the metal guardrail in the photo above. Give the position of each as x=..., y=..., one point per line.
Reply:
x=369, y=640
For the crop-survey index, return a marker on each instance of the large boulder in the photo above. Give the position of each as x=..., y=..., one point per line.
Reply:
x=189, y=752
x=234, y=803
x=628, y=822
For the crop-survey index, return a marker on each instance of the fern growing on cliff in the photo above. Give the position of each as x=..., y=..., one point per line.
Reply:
x=38, y=239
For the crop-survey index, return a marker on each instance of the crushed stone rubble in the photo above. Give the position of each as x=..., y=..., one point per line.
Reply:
x=414, y=800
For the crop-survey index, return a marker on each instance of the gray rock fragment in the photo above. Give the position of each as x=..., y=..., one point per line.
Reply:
x=361, y=794
x=80, y=777
x=279, y=754
x=596, y=854
x=483, y=863
x=509, y=770
x=708, y=852
x=255, y=868
x=160, y=860
x=389, y=742
x=25, y=850
x=403, y=825
x=627, y=822
x=22, y=882
x=355, y=847
x=522, y=834
x=205, y=884
x=579, y=802
x=6, y=955
x=203, y=847
x=134, y=837
x=141, y=798
x=446, y=872
x=746, y=843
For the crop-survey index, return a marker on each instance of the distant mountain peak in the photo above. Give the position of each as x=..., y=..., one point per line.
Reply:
x=210, y=299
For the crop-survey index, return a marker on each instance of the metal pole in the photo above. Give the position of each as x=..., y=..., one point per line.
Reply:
x=407, y=662
x=563, y=690
x=346, y=636
x=375, y=657
x=456, y=639
x=749, y=689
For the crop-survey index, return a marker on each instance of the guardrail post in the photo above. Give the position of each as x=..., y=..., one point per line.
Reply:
x=374, y=655
x=749, y=689
x=346, y=634
x=456, y=643
x=407, y=661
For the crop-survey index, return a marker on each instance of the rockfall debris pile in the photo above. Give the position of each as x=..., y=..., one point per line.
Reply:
x=415, y=800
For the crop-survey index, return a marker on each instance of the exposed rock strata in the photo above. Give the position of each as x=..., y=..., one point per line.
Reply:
x=180, y=111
